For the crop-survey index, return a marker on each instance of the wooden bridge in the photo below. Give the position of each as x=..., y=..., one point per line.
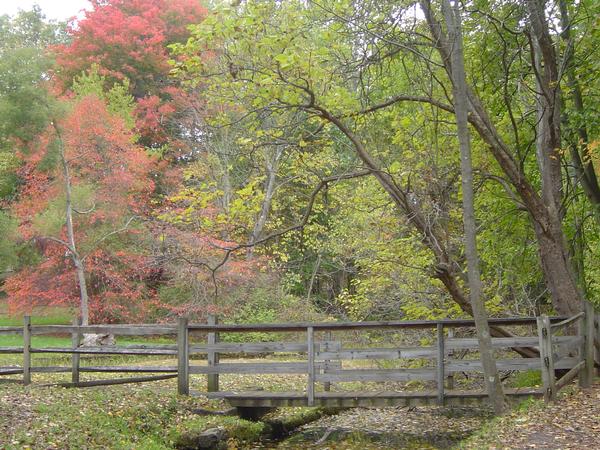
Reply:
x=338, y=361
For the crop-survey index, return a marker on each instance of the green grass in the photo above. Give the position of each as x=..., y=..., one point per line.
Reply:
x=115, y=417
x=529, y=378
x=47, y=315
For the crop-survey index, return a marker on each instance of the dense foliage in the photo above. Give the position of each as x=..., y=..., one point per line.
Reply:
x=274, y=161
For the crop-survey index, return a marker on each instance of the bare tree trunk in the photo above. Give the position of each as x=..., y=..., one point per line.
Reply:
x=461, y=107
x=72, y=248
x=271, y=170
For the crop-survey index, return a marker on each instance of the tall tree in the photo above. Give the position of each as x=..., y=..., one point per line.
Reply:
x=461, y=111
x=85, y=181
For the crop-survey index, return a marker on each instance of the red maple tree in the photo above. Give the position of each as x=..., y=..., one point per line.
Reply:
x=85, y=182
x=129, y=39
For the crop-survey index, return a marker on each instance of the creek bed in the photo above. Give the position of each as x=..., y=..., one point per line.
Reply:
x=410, y=428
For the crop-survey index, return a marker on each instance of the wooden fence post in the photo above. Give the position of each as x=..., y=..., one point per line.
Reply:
x=324, y=348
x=450, y=354
x=440, y=363
x=212, y=356
x=547, y=361
x=587, y=327
x=310, y=390
x=183, y=357
x=597, y=341
x=26, y=350
x=75, y=357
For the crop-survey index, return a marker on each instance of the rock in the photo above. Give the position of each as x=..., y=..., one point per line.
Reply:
x=98, y=340
x=213, y=438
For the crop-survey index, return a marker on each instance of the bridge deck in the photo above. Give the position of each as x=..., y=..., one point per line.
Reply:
x=364, y=398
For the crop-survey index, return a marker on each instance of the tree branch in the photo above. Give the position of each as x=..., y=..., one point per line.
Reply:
x=106, y=236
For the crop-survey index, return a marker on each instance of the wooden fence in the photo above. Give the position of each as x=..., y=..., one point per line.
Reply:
x=323, y=359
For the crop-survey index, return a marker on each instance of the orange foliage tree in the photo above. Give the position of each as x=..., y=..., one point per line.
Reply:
x=86, y=187
x=129, y=39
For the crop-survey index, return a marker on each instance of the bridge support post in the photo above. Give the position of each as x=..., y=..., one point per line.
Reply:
x=212, y=356
x=26, y=350
x=310, y=389
x=183, y=357
x=546, y=357
x=440, y=363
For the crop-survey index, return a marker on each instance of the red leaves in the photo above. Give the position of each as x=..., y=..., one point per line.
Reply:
x=129, y=39
x=110, y=178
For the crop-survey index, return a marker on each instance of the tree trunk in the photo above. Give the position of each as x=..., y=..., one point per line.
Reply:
x=461, y=107
x=72, y=248
x=271, y=169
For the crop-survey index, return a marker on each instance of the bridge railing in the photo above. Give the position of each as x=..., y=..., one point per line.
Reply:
x=325, y=361
x=324, y=358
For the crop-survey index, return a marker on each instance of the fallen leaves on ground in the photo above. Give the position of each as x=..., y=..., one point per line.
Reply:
x=572, y=422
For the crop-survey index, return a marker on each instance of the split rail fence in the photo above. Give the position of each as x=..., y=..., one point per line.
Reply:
x=565, y=346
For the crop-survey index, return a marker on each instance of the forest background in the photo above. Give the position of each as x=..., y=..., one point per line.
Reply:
x=280, y=161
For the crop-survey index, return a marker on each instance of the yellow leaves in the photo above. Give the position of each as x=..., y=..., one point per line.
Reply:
x=244, y=141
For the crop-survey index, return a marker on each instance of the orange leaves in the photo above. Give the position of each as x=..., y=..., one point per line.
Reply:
x=110, y=179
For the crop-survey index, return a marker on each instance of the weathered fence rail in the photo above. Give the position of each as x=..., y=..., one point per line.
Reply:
x=565, y=344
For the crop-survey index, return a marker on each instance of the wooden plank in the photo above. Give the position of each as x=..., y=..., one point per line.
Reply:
x=310, y=389
x=332, y=326
x=379, y=353
x=567, y=347
x=365, y=398
x=183, y=357
x=256, y=368
x=10, y=370
x=440, y=363
x=150, y=346
x=340, y=376
x=26, y=350
x=212, y=356
x=11, y=330
x=11, y=350
x=113, y=381
x=106, y=350
x=75, y=357
x=251, y=347
x=474, y=365
x=117, y=330
x=472, y=343
x=565, y=322
x=153, y=329
x=50, y=369
x=133, y=369
x=569, y=376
